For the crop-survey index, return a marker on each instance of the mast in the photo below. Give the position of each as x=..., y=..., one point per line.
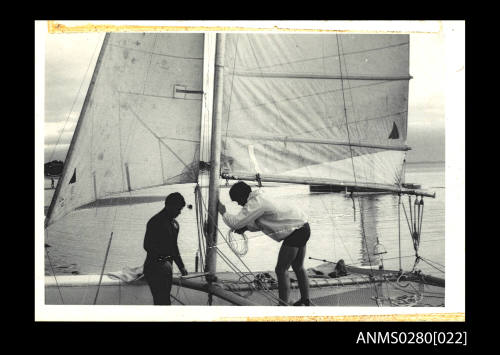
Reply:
x=77, y=129
x=215, y=152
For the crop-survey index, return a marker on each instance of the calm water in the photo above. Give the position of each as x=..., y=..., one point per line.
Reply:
x=78, y=242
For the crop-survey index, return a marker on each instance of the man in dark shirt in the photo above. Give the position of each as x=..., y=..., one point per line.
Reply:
x=160, y=243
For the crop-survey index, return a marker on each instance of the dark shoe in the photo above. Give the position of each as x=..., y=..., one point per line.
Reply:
x=301, y=302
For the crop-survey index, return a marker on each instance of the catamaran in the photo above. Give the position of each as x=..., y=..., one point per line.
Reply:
x=201, y=109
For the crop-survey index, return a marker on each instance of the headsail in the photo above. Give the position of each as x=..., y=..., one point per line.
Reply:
x=324, y=106
x=140, y=124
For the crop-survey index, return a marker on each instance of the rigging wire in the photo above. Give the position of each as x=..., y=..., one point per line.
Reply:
x=226, y=259
x=399, y=231
x=54, y=275
x=230, y=242
x=299, y=147
x=74, y=102
x=431, y=263
x=230, y=96
x=345, y=108
x=107, y=253
x=199, y=220
x=352, y=160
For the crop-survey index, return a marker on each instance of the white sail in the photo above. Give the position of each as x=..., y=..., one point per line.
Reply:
x=323, y=106
x=140, y=125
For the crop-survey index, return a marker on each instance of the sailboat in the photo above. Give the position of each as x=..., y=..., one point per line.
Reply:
x=201, y=109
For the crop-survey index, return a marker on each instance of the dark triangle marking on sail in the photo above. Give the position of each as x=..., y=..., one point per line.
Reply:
x=73, y=178
x=394, y=133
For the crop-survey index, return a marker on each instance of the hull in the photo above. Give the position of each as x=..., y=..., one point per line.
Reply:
x=360, y=287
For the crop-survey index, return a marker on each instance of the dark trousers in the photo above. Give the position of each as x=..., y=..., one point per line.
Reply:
x=159, y=278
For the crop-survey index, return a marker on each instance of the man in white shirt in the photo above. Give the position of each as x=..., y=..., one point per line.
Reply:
x=280, y=222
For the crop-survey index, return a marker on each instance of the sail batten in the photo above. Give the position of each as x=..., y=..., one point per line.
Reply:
x=285, y=139
x=319, y=76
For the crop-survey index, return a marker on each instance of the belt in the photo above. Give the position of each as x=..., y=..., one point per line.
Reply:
x=162, y=259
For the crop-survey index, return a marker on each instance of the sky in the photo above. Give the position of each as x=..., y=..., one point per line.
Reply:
x=70, y=60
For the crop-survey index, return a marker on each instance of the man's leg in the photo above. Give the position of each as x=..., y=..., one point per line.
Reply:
x=301, y=273
x=285, y=257
x=160, y=283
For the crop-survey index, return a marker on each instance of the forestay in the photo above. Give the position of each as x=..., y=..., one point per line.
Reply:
x=140, y=124
x=323, y=106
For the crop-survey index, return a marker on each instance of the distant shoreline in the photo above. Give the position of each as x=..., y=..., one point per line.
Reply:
x=425, y=162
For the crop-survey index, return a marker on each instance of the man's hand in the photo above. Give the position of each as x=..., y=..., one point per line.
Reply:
x=221, y=208
x=241, y=230
x=184, y=271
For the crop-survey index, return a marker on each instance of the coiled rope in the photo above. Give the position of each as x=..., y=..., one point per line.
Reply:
x=265, y=291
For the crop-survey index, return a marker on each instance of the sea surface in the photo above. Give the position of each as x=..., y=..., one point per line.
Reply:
x=367, y=235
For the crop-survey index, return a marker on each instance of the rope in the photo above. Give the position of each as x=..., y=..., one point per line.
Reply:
x=430, y=263
x=434, y=262
x=231, y=264
x=265, y=292
x=106, y=255
x=54, y=274
x=243, y=275
x=366, y=246
x=352, y=161
x=189, y=167
x=399, y=230
x=406, y=216
x=234, y=245
x=199, y=220
x=345, y=112
x=175, y=298
x=354, y=115
x=353, y=206
x=231, y=94
x=422, y=215
x=103, y=266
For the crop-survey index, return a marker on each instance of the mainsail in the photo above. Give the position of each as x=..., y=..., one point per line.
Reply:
x=140, y=124
x=316, y=106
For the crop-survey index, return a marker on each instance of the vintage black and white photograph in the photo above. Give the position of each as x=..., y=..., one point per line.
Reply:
x=302, y=172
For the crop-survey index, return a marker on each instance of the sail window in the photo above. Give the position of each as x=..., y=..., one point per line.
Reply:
x=73, y=178
x=394, y=133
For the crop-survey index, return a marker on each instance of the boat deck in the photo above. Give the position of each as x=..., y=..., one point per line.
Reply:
x=364, y=287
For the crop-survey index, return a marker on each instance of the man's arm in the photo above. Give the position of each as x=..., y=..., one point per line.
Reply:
x=150, y=244
x=241, y=230
x=180, y=264
x=245, y=218
x=178, y=260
